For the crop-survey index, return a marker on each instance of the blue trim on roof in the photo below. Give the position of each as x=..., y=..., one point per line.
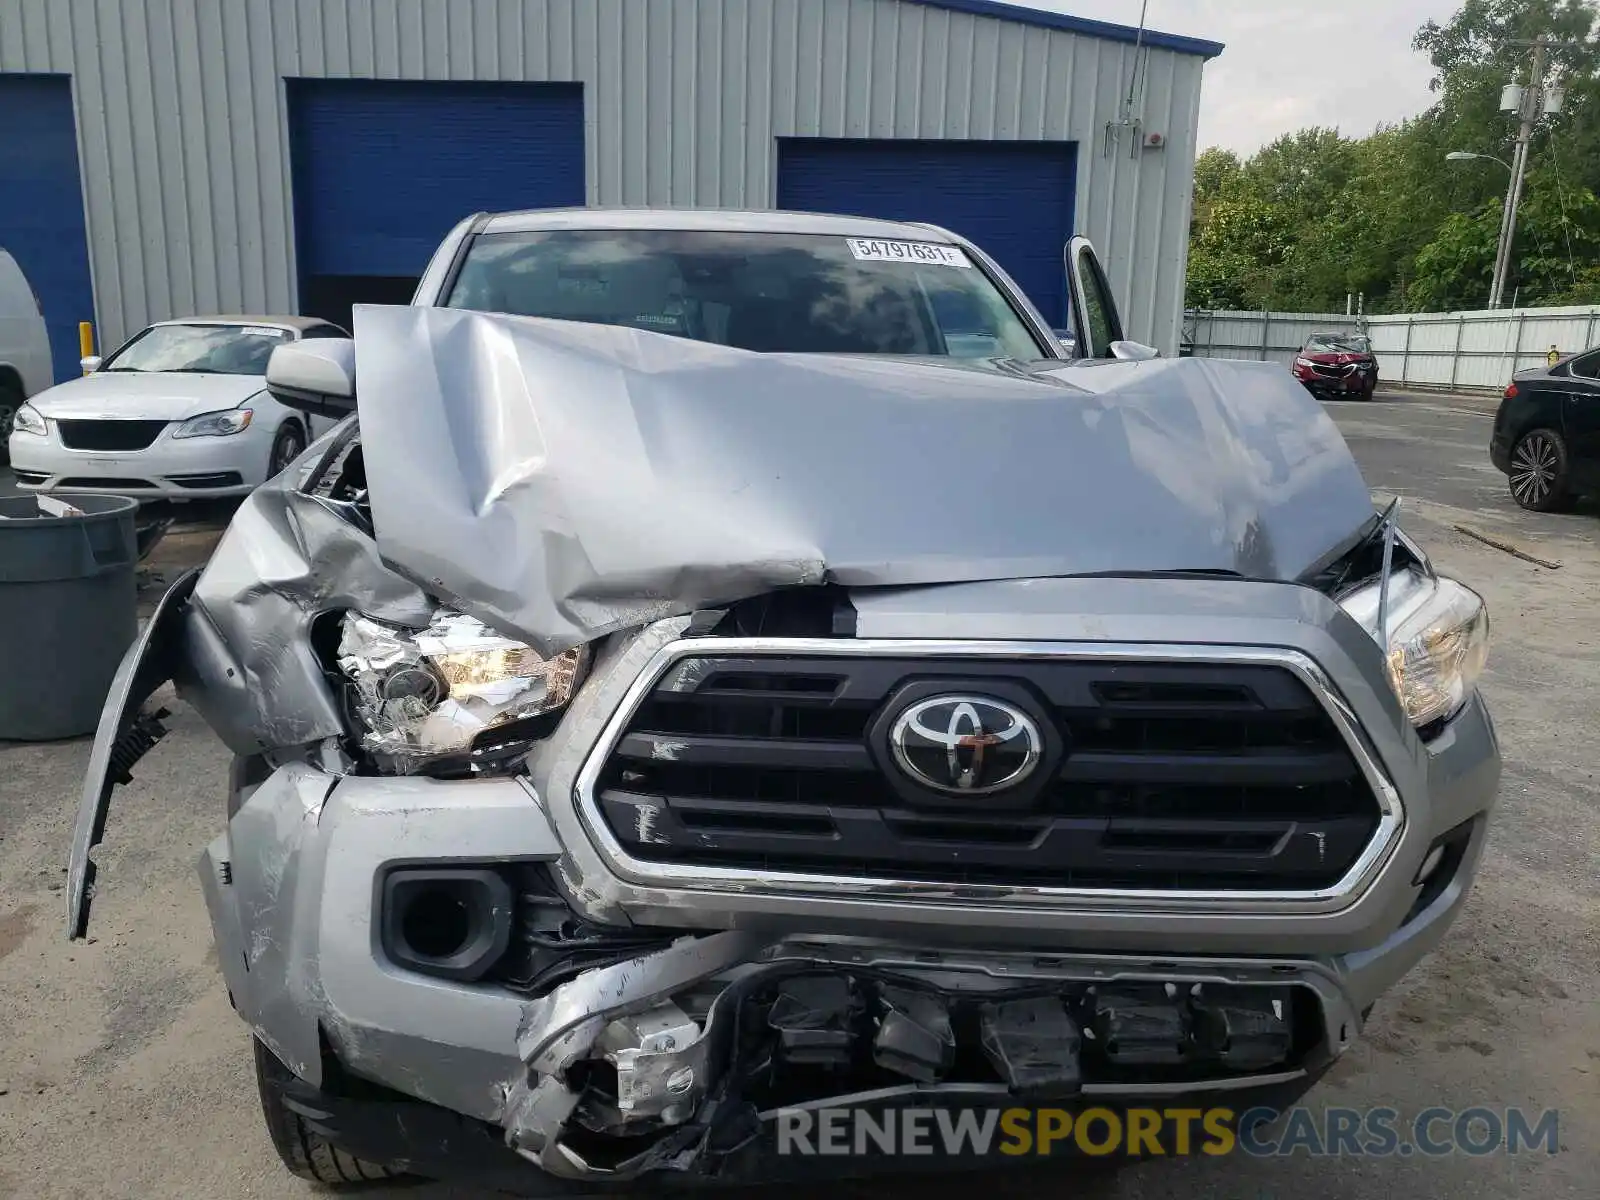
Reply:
x=1083, y=25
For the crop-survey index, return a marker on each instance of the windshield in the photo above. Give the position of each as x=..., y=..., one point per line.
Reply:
x=1338, y=343
x=777, y=292
x=201, y=349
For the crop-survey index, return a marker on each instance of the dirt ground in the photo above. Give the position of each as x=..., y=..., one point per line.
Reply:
x=123, y=1072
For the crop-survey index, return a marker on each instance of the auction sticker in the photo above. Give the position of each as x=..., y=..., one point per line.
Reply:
x=878, y=250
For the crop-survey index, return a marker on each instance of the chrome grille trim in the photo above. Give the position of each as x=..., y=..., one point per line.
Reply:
x=1339, y=895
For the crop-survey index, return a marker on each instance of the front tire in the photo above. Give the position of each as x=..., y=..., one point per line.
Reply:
x=286, y=447
x=304, y=1152
x=1538, y=476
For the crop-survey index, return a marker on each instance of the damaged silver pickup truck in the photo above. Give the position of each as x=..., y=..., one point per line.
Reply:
x=730, y=665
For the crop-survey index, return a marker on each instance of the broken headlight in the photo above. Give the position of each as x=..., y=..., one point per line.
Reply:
x=1436, y=643
x=420, y=696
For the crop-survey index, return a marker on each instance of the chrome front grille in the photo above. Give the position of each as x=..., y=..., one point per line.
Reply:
x=1174, y=776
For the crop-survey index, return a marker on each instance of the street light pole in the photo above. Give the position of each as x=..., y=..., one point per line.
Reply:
x=1502, y=246
x=1505, y=212
x=1528, y=110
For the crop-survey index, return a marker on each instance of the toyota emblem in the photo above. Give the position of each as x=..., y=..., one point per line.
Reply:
x=966, y=745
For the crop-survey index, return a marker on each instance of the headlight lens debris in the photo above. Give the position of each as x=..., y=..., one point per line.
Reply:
x=422, y=695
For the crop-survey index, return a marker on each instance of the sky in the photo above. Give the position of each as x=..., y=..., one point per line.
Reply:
x=1292, y=63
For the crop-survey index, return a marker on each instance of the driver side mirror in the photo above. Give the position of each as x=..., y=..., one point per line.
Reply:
x=90, y=363
x=1133, y=351
x=316, y=377
x=1090, y=303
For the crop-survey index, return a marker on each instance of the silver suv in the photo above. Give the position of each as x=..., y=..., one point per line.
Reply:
x=736, y=665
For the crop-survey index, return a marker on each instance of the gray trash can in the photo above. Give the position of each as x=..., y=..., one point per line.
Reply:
x=68, y=612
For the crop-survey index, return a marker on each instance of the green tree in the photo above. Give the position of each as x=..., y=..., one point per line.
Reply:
x=1454, y=270
x=1316, y=215
x=1558, y=238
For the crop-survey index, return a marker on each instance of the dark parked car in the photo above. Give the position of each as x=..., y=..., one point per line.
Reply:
x=1547, y=433
x=1337, y=366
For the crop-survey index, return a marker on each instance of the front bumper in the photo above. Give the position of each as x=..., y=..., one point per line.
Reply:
x=293, y=889
x=296, y=885
x=439, y=1144
x=1355, y=383
x=168, y=469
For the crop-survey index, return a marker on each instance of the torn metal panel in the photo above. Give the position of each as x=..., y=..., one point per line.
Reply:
x=681, y=1087
x=561, y=480
x=582, y=1015
x=559, y=1028
x=285, y=559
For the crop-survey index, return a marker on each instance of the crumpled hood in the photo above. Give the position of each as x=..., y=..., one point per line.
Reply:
x=561, y=481
x=145, y=396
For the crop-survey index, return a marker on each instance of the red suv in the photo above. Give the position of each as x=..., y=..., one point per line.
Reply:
x=1337, y=366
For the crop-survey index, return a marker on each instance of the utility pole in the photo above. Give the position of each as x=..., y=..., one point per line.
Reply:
x=1531, y=103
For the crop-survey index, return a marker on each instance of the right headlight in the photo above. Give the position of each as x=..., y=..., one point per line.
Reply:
x=29, y=419
x=428, y=694
x=1436, y=643
x=215, y=424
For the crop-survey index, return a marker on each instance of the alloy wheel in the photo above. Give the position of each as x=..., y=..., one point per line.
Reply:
x=1535, y=465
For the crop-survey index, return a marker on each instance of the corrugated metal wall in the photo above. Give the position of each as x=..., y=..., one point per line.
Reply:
x=1264, y=336
x=1477, y=350
x=181, y=116
x=1466, y=351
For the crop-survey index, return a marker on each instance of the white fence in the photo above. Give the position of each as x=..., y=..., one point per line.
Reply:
x=1462, y=350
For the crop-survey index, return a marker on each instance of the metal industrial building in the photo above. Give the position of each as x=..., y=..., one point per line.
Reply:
x=166, y=157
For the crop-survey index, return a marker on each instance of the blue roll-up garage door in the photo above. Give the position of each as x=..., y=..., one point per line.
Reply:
x=382, y=170
x=41, y=206
x=1012, y=198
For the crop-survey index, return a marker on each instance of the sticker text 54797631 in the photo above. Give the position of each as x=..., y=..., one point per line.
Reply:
x=932, y=253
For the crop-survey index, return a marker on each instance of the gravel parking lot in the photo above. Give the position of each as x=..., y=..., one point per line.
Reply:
x=124, y=1074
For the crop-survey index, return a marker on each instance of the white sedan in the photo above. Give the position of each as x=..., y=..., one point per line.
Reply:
x=180, y=411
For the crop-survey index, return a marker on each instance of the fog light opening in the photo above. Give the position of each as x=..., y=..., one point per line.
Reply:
x=436, y=924
x=1429, y=864
x=1440, y=866
x=451, y=922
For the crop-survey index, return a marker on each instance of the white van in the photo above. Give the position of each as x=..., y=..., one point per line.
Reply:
x=24, y=346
